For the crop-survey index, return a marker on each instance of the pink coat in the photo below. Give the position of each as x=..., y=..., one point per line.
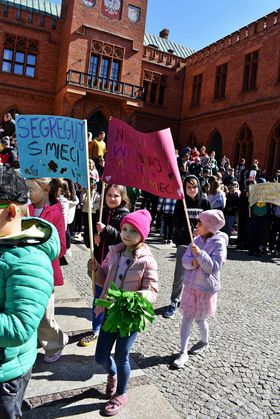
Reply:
x=53, y=214
x=141, y=274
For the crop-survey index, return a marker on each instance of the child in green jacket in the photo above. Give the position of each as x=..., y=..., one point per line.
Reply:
x=27, y=246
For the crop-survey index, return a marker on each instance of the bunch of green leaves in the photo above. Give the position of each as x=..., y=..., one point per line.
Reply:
x=127, y=311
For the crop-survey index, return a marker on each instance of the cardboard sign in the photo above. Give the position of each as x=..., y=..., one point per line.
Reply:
x=143, y=161
x=52, y=146
x=264, y=192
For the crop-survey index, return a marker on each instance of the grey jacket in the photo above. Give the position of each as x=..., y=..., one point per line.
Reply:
x=211, y=258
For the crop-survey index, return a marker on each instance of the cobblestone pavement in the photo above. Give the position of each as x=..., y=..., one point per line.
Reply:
x=238, y=376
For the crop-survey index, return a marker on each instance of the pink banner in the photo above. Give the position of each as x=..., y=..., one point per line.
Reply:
x=143, y=161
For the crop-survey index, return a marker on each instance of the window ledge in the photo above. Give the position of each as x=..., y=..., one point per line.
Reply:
x=244, y=92
x=21, y=76
x=220, y=99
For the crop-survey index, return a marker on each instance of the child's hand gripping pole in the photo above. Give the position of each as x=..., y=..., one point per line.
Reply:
x=188, y=220
x=97, y=237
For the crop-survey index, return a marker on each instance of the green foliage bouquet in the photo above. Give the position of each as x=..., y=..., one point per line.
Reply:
x=127, y=311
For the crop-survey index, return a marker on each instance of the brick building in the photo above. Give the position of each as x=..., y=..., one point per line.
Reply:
x=92, y=59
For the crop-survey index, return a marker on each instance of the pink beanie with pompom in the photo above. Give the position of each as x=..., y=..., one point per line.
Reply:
x=141, y=220
x=213, y=220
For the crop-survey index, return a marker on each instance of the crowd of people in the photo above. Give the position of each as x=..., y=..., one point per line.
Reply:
x=216, y=197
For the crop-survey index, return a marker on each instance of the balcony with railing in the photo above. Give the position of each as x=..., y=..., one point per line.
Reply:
x=110, y=86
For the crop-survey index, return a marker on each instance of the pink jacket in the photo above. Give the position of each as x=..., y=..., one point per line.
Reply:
x=141, y=275
x=53, y=214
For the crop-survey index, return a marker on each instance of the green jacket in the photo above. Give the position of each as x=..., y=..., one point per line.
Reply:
x=26, y=283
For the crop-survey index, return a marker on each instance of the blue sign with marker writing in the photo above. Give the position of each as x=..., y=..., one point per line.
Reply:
x=52, y=146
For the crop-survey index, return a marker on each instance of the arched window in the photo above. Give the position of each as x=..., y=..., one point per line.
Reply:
x=96, y=123
x=244, y=146
x=191, y=141
x=273, y=157
x=215, y=144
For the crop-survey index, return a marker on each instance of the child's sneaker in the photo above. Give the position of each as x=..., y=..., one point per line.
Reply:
x=181, y=360
x=198, y=348
x=115, y=405
x=171, y=310
x=49, y=359
x=88, y=340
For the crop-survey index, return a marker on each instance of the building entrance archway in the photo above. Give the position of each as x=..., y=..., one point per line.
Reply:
x=216, y=144
x=96, y=123
x=273, y=157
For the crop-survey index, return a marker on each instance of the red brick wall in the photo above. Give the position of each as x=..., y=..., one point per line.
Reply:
x=122, y=33
x=27, y=94
x=259, y=109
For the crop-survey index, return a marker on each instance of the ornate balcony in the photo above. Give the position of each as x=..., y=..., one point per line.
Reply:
x=126, y=90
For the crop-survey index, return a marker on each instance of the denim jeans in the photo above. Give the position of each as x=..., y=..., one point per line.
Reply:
x=120, y=365
x=11, y=396
x=97, y=321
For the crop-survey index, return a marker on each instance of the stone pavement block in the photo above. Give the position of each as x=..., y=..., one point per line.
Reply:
x=65, y=291
x=145, y=402
x=75, y=369
x=74, y=316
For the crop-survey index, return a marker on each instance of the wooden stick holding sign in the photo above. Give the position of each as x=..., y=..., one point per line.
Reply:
x=102, y=201
x=188, y=220
x=90, y=232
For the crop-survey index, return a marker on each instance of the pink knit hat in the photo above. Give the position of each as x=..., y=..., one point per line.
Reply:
x=213, y=220
x=141, y=220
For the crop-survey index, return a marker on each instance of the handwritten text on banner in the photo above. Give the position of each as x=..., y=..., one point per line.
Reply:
x=144, y=161
x=264, y=192
x=52, y=146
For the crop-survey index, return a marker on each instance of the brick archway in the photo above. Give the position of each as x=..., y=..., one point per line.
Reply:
x=243, y=146
x=273, y=156
x=215, y=143
x=96, y=123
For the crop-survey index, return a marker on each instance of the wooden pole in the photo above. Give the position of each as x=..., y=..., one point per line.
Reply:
x=188, y=220
x=90, y=232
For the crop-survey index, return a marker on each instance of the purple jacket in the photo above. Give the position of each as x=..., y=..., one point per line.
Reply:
x=213, y=254
x=141, y=274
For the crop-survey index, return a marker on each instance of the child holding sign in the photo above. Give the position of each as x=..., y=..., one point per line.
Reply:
x=45, y=205
x=202, y=262
x=132, y=267
x=106, y=233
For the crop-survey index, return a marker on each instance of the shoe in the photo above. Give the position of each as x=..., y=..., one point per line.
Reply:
x=164, y=241
x=115, y=405
x=49, y=359
x=111, y=386
x=169, y=241
x=198, y=348
x=180, y=360
x=88, y=340
x=171, y=310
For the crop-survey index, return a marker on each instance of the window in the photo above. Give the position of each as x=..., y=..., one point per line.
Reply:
x=105, y=65
x=154, y=87
x=196, y=91
x=19, y=56
x=250, y=71
x=220, y=82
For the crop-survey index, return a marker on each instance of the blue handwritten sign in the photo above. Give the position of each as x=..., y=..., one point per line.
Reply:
x=52, y=146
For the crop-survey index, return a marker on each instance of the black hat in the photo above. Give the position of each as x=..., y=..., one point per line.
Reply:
x=13, y=187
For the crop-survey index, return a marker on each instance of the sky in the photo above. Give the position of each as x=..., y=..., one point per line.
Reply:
x=198, y=23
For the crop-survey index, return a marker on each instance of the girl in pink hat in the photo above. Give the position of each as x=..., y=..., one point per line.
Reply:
x=202, y=263
x=132, y=267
